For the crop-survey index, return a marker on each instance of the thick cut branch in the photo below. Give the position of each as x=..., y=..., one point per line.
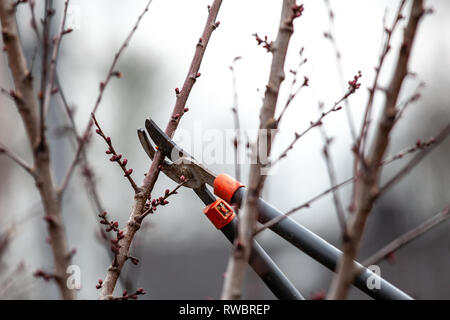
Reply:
x=368, y=192
x=138, y=208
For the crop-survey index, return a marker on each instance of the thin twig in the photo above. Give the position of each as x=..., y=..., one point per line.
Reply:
x=308, y=203
x=7, y=93
x=416, y=159
x=368, y=190
x=54, y=59
x=413, y=98
x=46, y=46
x=293, y=93
x=304, y=205
x=88, y=175
x=237, y=126
x=372, y=90
x=247, y=222
x=312, y=125
x=331, y=35
x=406, y=238
x=34, y=24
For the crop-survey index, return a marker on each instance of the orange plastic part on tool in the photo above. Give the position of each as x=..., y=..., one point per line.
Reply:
x=219, y=213
x=225, y=186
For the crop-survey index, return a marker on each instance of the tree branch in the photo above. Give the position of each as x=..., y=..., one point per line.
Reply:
x=333, y=181
x=237, y=126
x=49, y=90
x=242, y=245
x=331, y=35
x=417, y=158
x=316, y=123
x=360, y=143
x=408, y=237
x=112, y=72
x=115, y=156
x=29, y=111
x=14, y=157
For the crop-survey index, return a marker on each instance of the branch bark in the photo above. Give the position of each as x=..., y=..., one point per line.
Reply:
x=28, y=108
x=135, y=219
x=368, y=191
x=16, y=158
x=242, y=246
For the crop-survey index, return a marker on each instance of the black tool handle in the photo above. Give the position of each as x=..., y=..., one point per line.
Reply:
x=259, y=260
x=320, y=250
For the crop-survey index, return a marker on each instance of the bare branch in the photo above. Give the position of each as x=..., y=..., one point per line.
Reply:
x=360, y=142
x=29, y=110
x=112, y=72
x=413, y=98
x=304, y=205
x=237, y=126
x=150, y=206
x=368, y=190
x=333, y=181
x=242, y=246
x=419, y=146
x=417, y=158
x=115, y=156
x=50, y=89
x=331, y=35
x=372, y=90
x=140, y=199
x=88, y=175
x=14, y=157
x=7, y=93
x=316, y=123
x=408, y=237
x=46, y=46
x=293, y=93
x=337, y=186
x=34, y=24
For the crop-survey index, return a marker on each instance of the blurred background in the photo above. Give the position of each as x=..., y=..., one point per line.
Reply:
x=182, y=255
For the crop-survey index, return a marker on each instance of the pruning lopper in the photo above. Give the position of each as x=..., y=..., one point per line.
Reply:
x=178, y=163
